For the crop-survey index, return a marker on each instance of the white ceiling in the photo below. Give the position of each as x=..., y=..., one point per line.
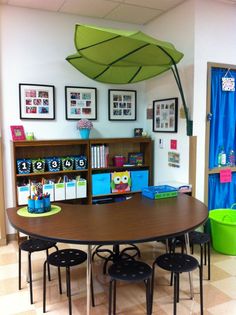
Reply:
x=129, y=11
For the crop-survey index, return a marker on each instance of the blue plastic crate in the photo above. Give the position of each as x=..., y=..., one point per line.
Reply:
x=159, y=192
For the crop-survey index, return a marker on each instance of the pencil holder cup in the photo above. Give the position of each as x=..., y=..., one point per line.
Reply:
x=47, y=204
x=39, y=206
x=31, y=206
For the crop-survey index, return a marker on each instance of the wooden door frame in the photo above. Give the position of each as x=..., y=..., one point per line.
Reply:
x=3, y=239
x=210, y=65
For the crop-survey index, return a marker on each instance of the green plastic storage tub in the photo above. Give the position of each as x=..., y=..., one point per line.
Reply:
x=223, y=230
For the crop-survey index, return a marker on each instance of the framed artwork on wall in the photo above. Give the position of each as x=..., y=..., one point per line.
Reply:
x=122, y=105
x=81, y=102
x=165, y=115
x=37, y=101
x=17, y=133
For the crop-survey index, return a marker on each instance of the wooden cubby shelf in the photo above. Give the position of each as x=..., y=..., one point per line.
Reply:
x=63, y=148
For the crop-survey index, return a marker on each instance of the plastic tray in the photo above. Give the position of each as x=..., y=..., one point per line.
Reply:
x=159, y=192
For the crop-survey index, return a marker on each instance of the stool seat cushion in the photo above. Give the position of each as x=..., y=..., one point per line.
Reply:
x=130, y=270
x=177, y=262
x=36, y=245
x=67, y=257
x=199, y=238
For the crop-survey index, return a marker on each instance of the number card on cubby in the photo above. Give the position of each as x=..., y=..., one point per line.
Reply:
x=80, y=162
x=38, y=165
x=53, y=164
x=23, y=166
x=67, y=163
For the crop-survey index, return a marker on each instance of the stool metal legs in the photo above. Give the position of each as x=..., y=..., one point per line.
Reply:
x=112, y=297
x=176, y=289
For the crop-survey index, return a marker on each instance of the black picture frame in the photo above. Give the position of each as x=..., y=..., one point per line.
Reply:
x=165, y=115
x=81, y=102
x=138, y=132
x=37, y=101
x=122, y=105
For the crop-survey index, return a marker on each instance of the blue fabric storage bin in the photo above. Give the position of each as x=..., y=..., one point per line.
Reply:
x=139, y=179
x=101, y=184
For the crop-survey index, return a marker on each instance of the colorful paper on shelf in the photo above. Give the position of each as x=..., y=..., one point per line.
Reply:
x=226, y=176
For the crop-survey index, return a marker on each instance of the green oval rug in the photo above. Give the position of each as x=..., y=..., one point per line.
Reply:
x=24, y=212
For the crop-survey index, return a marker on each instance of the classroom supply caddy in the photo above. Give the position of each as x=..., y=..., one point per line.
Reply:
x=39, y=204
x=159, y=192
x=223, y=230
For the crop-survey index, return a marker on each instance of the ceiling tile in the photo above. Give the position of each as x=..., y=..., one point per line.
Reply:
x=51, y=5
x=98, y=8
x=132, y=14
x=155, y=4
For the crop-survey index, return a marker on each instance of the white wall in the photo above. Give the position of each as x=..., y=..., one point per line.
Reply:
x=215, y=41
x=176, y=26
x=34, y=45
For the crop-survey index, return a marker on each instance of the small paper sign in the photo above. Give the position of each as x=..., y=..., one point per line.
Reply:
x=228, y=84
x=173, y=144
x=226, y=176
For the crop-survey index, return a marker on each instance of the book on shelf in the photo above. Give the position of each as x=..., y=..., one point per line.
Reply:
x=99, y=156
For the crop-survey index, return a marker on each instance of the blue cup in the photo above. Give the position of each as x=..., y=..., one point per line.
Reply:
x=39, y=206
x=31, y=206
x=47, y=204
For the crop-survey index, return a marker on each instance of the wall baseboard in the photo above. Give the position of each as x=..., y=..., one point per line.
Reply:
x=11, y=237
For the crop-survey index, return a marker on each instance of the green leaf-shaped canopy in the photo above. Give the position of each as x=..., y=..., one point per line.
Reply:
x=120, y=56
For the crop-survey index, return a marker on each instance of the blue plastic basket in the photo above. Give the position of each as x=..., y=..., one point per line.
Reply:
x=159, y=192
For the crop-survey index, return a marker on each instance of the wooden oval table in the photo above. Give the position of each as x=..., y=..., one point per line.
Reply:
x=135, y=220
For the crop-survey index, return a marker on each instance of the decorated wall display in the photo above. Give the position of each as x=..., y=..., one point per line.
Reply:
x=81, y=102
x=165, y=115
x=122, y=105
x=37, y=101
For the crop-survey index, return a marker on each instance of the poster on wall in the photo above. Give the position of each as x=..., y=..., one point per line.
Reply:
x=81, y=102
x=37, y=101
x=173, y=159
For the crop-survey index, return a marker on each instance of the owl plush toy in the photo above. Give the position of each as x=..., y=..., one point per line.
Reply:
x=120, y=181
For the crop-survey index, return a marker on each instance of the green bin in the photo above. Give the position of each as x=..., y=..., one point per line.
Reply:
x=223, y=230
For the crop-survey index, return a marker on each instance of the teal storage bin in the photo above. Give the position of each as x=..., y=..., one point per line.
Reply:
x=101, y=184
x=139, y=179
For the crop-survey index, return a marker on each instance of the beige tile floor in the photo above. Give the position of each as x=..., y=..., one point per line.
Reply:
x=219, y=293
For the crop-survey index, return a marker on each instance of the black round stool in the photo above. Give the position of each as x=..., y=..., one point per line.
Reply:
x=33, y=245
x=133, y=271
x=64, y=258
x=204, y=241
x=177, y=263
x=115, y=254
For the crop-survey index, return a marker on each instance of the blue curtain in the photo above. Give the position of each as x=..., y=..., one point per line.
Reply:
x=222, y=133
x=221, y=195
x=223, y=119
